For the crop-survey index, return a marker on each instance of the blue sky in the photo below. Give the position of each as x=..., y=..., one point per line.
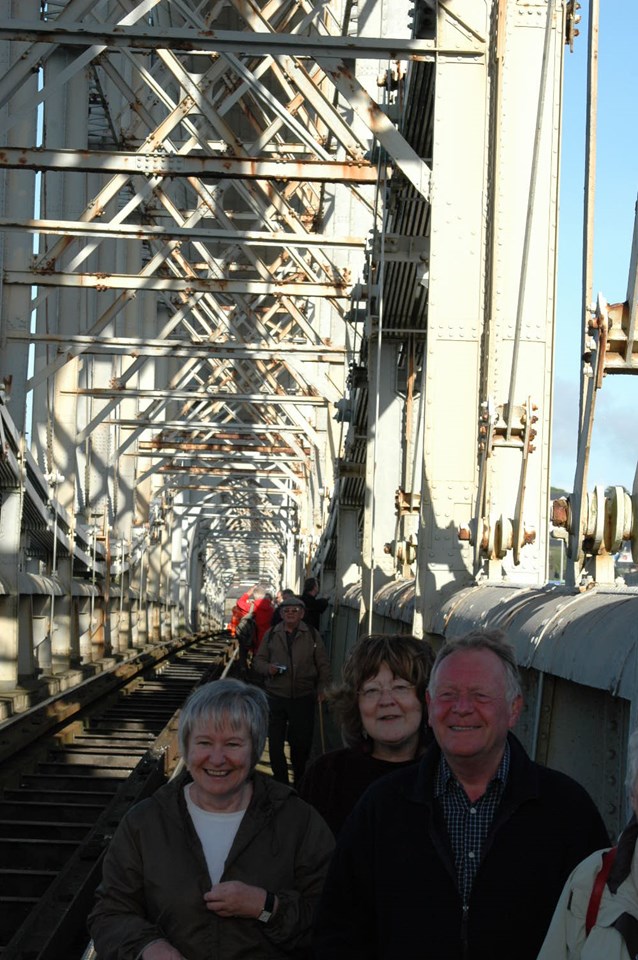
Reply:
x=615, y=440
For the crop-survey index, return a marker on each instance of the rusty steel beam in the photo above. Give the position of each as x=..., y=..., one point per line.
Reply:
x=186, y=40
x=211, y=427
x=126, y=393
x=245, y=471
x=120, y=281
x=189, y=165
x=179, y=454
x=238, y=490
x=128, y=231
x=174, y=448
x=197, y=349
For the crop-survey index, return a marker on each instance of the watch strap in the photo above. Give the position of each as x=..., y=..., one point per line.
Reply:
x=269, y=906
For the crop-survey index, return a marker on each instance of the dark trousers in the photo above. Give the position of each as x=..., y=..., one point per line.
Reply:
x=293, y=720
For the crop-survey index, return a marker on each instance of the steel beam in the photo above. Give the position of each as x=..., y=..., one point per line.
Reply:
x=121, y=281
x=229, y=454
x=215, y=350
x=223, y=396
x=186, y=40
x=211, y=426
x=134, y=231
x=188, y=165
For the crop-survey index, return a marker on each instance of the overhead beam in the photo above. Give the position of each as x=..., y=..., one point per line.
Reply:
x=188, y=40
x=244, y=471
x=202, y=350
x=189, y=165
x=120, y=281
x=133, y=231
x=205, y=455
x=211, y=427
x=226, y=397
x=240, y=489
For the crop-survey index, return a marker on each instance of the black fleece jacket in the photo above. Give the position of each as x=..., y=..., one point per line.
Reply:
x=392, y=893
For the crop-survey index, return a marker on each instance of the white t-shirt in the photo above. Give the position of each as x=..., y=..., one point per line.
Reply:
x=216, y=832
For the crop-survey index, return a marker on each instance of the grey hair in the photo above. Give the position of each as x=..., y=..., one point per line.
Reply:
x=493, y=640
x=229, y=702
x=632, y=764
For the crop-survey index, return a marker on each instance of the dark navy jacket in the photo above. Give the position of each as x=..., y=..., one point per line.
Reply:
x=392, y=894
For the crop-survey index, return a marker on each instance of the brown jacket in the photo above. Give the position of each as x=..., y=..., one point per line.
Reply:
x=307, y=664
x=155, y=877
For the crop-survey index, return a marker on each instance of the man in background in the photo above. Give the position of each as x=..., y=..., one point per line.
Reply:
x=314, y=604
x=295, y=664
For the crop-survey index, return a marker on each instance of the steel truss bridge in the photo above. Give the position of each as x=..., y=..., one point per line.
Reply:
x=277, y=298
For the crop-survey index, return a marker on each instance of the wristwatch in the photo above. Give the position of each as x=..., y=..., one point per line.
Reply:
x=269, y=907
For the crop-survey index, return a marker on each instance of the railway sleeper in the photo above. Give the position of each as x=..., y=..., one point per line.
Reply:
x=52, y=901
x=45, y=829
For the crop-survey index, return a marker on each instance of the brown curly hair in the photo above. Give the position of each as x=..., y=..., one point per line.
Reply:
x=405, y=655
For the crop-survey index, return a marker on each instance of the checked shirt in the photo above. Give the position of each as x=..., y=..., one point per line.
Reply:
x=468, y=823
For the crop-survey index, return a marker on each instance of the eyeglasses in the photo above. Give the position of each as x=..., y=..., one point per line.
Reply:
x=399, y=691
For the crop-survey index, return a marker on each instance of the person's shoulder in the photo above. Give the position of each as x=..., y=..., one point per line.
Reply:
x=554, y=787
x=161, y=802
x=285, y=800
x=560, y=785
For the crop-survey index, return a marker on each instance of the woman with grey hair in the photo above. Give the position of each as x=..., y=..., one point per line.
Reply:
x=221, y=862
x=597, y=915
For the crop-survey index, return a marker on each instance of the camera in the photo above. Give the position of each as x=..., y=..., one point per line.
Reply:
x=281, y=667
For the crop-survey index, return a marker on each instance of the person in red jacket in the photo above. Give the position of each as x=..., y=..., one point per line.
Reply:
x=257, y=600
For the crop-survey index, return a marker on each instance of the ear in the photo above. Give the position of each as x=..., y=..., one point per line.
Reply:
x=515, y=711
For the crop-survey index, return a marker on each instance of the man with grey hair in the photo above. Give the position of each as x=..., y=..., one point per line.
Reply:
x=462, y=856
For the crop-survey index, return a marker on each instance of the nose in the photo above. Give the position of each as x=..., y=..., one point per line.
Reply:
x=463, y=703
x=386, y=696
x=216, y=756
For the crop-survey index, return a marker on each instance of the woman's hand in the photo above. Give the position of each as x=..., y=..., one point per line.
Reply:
x=236, y=899
x=161, y=950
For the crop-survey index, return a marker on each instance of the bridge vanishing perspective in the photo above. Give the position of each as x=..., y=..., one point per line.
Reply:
x=278, y=290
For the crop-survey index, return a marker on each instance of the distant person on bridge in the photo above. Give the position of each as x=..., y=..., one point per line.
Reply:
x=223, y=862
x=281, y=595
x=295, y=664
x=462, y=856
x=597, y=914
x=257, y=600
x=314, y=604
x=384, y=723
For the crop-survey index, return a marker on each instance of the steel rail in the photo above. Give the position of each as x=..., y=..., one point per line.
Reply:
x=70, y=769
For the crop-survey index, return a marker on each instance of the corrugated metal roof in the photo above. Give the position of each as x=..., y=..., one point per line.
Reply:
x=589, y=637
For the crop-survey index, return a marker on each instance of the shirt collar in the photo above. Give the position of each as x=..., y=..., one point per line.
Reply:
x=445, y=778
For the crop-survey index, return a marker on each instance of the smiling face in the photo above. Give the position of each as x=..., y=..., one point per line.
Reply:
x=391, y=717
x=469, y=711
x=219, y=759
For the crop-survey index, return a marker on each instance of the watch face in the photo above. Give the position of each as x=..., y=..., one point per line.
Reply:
x=264, y=916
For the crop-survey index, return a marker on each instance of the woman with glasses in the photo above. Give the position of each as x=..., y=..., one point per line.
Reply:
x=381, y=707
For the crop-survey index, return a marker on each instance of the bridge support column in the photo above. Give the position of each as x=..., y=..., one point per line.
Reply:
x=383, y=472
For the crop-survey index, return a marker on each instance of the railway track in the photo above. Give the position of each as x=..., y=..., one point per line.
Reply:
x=68, y=771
